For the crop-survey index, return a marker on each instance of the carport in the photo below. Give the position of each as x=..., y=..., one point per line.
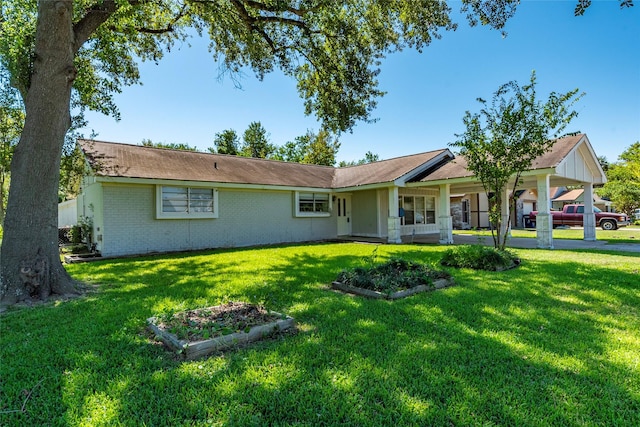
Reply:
x=570, y=162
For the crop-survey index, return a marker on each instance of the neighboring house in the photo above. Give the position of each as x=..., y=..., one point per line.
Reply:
x=470, y=210
x=144, y=199
x=68, y=213
x=570, y=197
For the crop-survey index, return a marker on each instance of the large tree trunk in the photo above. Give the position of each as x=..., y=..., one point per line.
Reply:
x=30, y=264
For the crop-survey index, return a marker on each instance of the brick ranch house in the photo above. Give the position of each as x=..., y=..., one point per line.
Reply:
x=144, y=200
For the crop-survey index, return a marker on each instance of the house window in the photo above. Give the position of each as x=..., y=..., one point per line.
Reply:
x=186, y=202
x=312, y=204
x=417, y=210
x=465, y=211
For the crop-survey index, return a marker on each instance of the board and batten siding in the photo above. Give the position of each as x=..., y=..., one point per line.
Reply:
x=246, y=218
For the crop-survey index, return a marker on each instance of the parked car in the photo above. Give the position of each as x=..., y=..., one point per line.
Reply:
x=574, y=215
x=636, y=214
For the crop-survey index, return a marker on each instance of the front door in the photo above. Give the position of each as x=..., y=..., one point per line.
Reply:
x=344, y=215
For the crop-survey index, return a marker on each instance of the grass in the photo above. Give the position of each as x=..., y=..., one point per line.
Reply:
x=553, y=342
x=622, y=235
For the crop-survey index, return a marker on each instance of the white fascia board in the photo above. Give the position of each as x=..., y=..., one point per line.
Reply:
x=402, y=181
x=375, y=186
x=534, y=172
x=461, y=180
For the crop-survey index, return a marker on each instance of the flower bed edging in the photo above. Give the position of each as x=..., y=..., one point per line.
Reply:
x=437, y=284
x=196, y=349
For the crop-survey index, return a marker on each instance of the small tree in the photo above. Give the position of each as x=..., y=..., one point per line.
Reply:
x=503, y=140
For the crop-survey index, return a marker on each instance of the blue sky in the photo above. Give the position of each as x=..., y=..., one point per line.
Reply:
x=182, y=99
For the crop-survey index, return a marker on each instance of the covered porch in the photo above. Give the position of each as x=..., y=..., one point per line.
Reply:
x=571, y=162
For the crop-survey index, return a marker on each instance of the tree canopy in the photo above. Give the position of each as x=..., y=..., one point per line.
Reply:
x=369, y=157
x=255, y=142
x=170, y=145
x=226, y=142
x=506, y=136
x=311, y=148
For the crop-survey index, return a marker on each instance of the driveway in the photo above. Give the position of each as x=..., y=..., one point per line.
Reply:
x=527, y=243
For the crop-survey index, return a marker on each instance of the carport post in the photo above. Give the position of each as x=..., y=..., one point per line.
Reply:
x=445, y=221
x=394, y=232
x=544, y=220
x=589, y=220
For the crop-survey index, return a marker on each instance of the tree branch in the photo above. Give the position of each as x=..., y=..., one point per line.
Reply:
x=261, y=6
x=93, y=18
x=250, y=21
x=169, y=27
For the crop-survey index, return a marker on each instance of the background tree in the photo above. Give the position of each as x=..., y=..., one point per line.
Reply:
x=226, y=142
x=170, y=145
x=504, y=139
x=72, y=164
x=256, y=142
x=292, y=151
x=322, y=149
x=55, y=50
x=369, y=157
x=604, y=163
x=623, y=181
x=311, y=148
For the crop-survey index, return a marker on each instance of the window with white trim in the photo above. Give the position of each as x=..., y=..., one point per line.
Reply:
x=417, y=210
x=313, y=204
x=186, y=202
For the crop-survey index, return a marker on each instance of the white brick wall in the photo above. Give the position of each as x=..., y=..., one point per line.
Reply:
x=245, y=218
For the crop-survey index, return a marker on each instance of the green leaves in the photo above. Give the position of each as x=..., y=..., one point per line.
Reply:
x=508, y=134
x=623, y=186
x=256, y=142
x=333, y=49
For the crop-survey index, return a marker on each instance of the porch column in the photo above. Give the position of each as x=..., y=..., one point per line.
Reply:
x=589, y=221
x=544, y=220
x=394, y=234
x=445, y=221
x=505, y=226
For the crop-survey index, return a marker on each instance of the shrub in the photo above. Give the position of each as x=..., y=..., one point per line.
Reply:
x=396, y=274
x=479, y=257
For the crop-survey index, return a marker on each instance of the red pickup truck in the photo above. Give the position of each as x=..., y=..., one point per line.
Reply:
x=573, y=215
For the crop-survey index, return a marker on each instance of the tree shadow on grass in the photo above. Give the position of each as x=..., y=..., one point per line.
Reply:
x=496, y=349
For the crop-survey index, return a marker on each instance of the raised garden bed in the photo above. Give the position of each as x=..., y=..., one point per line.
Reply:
x=196, y=333
x=437, y=284
x=396, y=278
x=74, y=258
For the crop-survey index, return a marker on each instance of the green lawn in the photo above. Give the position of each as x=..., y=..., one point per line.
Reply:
x=621, y=235
x=553, y=342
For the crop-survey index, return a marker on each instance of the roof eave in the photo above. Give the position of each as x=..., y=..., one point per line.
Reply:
x=229, y=185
